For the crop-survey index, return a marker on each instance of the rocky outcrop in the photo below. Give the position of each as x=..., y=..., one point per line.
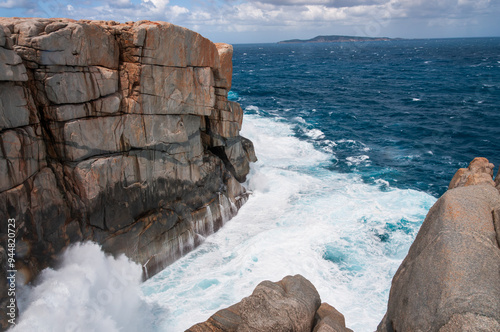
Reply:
x=479, y=171
x=328, y=319
x=116, y=133
x=450, y=279
x=292, y=304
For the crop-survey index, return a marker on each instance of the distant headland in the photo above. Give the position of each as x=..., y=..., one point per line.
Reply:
x=335, y=39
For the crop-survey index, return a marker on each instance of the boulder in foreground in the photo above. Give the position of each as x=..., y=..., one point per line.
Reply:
x=450, y=279
x=292, y=304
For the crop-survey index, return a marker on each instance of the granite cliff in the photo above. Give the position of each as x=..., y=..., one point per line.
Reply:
x=117, y=133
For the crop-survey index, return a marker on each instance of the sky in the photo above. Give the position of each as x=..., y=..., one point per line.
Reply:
x=268, y=21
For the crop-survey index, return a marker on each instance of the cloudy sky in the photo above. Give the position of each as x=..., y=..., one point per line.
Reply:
x=247, y=21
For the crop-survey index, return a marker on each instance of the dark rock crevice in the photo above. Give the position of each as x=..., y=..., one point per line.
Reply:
x=496, y=223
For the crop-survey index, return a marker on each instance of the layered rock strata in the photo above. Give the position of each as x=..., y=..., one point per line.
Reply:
x=292, y=304
x=116, y=133
x=450, y=279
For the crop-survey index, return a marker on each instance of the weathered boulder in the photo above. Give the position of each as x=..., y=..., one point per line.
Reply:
x=11, y=67
x=450, y=279
x=105, y=135
x=165, y=44
x=329, y=320
x=239, y=154
x=101, y=107
x=480, y=170
x=286, y=305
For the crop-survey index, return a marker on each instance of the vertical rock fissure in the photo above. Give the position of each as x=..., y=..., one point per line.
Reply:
x=219, y=152
x=495, y=214
x=49, y=141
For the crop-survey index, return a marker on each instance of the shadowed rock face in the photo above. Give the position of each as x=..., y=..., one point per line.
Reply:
x=450, y=279
x=116, y=133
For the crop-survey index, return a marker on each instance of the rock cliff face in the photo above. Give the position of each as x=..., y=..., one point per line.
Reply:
x=117, y=133
x=450, y=279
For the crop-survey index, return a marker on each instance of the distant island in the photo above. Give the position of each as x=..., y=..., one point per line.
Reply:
x=335, y=39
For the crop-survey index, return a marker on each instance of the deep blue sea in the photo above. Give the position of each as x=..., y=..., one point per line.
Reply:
x=355, y=141
x=410, y=112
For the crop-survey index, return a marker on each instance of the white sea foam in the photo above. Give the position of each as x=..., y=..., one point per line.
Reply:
x=299, y=119
x=314, y=133
x=90, y=291
x=329, y=146
x=252, y=108
x=356, y=160
x=346, y=236
x=350, y=141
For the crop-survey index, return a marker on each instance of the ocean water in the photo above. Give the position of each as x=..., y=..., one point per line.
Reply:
x=355, y=142
x=409, y=112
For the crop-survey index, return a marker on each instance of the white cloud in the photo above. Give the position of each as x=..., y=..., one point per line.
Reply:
x=270, y=17
x=177, y=10
x=9, y=4
x=156, y=5
x=325, y=3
